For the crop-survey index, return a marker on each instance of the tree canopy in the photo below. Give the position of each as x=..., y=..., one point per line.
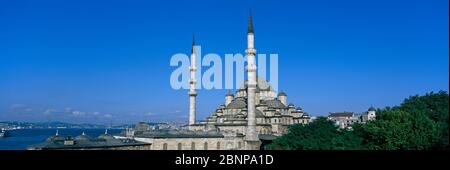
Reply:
x=419, y=123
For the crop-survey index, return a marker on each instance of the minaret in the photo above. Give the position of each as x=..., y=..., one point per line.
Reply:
x=251, y=135
x=193, y=83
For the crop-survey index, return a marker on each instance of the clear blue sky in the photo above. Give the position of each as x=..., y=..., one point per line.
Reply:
x=101, y=61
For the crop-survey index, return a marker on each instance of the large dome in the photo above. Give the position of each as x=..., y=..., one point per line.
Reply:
x=262, y=84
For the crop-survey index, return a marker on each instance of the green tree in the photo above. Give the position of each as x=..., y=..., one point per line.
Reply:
x=347, y=140
x=321, y=134
x=399, y=130
x=435, y=106
x=419, y=123
x=316, y=135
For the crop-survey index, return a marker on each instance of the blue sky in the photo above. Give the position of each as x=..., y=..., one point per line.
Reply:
x=108, y=61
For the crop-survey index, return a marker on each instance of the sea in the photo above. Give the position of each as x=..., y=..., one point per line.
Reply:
x=20, y=139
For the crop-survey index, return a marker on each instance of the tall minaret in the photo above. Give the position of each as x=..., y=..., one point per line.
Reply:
x=193, y=83
x=251, y=135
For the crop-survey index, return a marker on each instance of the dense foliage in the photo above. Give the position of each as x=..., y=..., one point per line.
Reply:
x=419, y=123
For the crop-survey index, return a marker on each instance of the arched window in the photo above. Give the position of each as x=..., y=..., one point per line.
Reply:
x=165, y=146
x=205, y=146
x=193, y=146
x=218, y=145
x=179, y=146
x=239, y=145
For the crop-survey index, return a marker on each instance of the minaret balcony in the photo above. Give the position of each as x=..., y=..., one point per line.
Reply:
x=250, y=51
x=193, y=68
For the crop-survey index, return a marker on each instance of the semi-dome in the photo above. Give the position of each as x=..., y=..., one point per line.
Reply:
x=238, y=103
x=372, y=108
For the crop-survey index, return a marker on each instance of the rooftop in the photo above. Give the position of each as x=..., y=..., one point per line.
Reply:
x=341, y=114
x=83, y=142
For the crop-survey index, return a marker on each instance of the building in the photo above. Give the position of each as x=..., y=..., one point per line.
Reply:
x=347, y=119
x=247, y=119
x=85, y=142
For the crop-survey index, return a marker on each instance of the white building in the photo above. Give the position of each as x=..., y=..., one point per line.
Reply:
x=346, y=119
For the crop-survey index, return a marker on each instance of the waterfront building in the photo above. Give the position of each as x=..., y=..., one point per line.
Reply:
x=85, y=142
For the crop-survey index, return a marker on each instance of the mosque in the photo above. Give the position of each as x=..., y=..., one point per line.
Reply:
x=256, y=113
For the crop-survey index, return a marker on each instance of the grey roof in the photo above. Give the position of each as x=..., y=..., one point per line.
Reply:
x=83, y=142
x=237, y=103
x=305, y=115
x=372, y=108
x=180, y=134
x=275, y=104
x=341, y=114
x=55, y=137
x=257, y=90
x=106, y=137
x=259, y=113
x=229, y=93
x=83, y=137
x=282, y=94
x=267, y=137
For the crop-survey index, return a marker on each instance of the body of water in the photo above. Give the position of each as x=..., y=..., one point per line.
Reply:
x=20, y=139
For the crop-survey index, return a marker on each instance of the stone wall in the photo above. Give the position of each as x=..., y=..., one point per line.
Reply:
x=225, y=143
x=135, y=147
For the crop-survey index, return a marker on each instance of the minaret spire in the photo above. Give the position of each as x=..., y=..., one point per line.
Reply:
x=193, y=44
x=250, y=22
